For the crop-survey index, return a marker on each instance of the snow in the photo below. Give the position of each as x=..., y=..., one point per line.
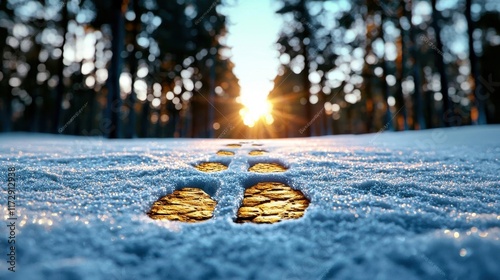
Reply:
x=409, y=205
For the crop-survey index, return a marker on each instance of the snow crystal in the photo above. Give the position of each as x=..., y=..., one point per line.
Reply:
x=420, y=204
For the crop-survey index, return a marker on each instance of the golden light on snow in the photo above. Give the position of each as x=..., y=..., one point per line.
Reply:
x=257, y=152
x=211, y=166
x=267, y=168
x=233, y=145
x=186, y=205
x=225, y=153
x=271, y=202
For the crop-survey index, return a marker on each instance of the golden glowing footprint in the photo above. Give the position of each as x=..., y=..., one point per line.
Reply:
x=265, y=202
x=225, y=153
x=271, y=202
x=185, y=205
x=257, y=152
x=211, y=166
x=267, y=168
x=233, y=145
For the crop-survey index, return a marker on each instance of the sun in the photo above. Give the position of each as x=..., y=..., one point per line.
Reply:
x=255, y=111
x=256, y=108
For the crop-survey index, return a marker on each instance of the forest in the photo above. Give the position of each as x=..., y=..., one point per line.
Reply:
x=131, y=68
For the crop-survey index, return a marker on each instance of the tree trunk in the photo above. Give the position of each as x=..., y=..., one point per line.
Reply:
x=198, y=111
x=308, y=131
x=367, y=77
x=131, y=131
x=480, y=116
x=418, y=120
x=144, y=132
x=114, y=99
x=385, y=88
x=328, y=123
x=60, y=85
x=447, y=110
x=211, y=97
x=402, y=122
x=6, y=108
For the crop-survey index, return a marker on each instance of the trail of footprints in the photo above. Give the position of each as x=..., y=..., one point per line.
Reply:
x=265, y=202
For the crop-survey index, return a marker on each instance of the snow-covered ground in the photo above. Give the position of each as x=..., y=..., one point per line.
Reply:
x=408, y=205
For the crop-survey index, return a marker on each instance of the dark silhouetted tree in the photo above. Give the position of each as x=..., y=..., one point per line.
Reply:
x=440, y=65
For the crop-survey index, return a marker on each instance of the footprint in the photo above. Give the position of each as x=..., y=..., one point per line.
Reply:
x=271, y=202
x=225, y=153
x=186, y=205
x=211, y=166
x=233, y=145
x=257, y=152
x=265, y=202
x=267, y=168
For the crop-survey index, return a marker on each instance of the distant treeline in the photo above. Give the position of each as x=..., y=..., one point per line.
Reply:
x=372, y=65
x=131, y=68
x=117, y=68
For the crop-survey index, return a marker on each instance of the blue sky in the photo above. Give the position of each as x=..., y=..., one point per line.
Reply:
x=253, y=31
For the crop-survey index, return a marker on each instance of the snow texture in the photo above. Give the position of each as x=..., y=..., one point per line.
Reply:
x=406, y=205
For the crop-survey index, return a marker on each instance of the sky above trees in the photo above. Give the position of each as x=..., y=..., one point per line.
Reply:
x=253, y=30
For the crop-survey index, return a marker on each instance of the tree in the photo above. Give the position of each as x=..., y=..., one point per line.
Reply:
x=118, y=8
x=60, y=72
x=6, y=96
x=404, y=24
x=135, y=27
x=480, y=117
x=441, y=66
x=112, y=13
x=370, y=33
x=386, y=92
x=418, y=118
x=301, y=33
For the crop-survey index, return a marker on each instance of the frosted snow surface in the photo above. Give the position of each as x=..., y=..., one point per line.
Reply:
x=407, y=205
